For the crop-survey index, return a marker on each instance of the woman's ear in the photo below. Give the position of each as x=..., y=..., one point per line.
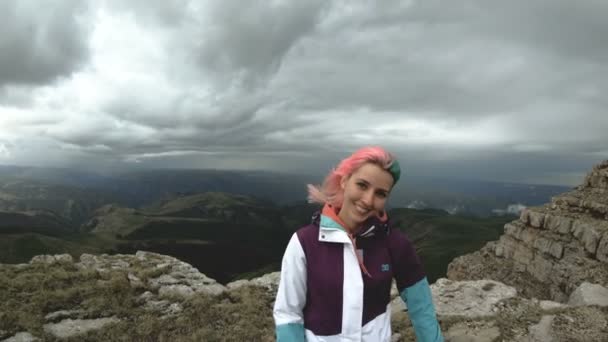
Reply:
x=343, y=181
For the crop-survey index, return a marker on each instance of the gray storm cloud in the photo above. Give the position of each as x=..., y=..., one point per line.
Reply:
x=248, y=40
x=41, y=41
x=479, y=89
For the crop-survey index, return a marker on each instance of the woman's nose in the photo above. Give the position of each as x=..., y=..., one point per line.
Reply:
x=367, y=198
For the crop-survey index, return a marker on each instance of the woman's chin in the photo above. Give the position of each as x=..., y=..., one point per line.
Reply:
x=360, y=218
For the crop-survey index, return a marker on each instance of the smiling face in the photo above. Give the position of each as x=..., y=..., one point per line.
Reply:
x=365, y=193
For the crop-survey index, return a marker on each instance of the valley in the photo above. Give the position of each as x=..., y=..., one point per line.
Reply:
x=225, y=234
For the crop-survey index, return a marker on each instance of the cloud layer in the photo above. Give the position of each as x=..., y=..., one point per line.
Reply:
x=477, y=89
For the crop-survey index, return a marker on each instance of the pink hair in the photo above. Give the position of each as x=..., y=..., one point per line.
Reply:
x=330, y=191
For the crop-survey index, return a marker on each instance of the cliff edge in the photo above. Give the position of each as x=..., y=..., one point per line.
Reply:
x=551, y=249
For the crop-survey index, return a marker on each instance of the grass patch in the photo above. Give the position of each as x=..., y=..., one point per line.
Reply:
x=30, y=293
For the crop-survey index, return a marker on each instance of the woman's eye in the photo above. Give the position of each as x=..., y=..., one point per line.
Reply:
x=382, y=195
x=362, y=185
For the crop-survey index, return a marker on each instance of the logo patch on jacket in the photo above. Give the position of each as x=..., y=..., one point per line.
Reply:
x=385, y=267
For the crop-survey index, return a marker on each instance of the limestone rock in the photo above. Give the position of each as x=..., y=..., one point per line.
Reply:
x=70, y=327
x=560, y=224
x=22, y=337
x=88, y=261
x=550, y=249
x=550, y=305
x=144, y=297
x=589, y=294
x=583, y=324
x=176, y=291
x=134, y=281
x=469, y=298
x=536, y=218
x=269, y=281
x=238, y=284
x=394, y=290
x=541, y=332
x=398, y=305
x=163, y=280
x=212, y=289
x=463, y=332
x=62, y=314
x=51, y=259
x=602, y=248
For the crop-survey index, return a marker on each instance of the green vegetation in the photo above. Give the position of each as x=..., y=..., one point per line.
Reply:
x=440, y=237
x=207, y=200
x=29, y=294
x=206, y=230
x=73, y=204
x=20, y=248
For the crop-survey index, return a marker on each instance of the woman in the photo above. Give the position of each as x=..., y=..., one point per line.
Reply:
x=337, y=272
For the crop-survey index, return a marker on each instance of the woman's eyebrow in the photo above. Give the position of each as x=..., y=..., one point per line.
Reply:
x=368, y=183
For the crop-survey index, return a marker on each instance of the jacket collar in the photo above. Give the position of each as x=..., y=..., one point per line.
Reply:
x=331, y=227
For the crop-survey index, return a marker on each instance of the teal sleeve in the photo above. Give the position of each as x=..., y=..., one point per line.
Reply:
x=292, y=332
x=422, y=311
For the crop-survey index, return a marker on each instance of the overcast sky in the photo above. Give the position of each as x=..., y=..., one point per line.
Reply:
x=505, y=90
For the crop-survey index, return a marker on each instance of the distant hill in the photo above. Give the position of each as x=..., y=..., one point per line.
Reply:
x=225, y=234
x=472, y=197
x=21, y=247
x=440, y=237
x=230, y=236
x=34, y=221
x=203, y=216
x=141, y=188
x=73, y=204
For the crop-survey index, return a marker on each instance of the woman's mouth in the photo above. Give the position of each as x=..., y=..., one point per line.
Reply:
x=361, y=210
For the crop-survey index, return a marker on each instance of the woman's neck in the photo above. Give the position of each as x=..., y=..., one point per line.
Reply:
x=350, y=227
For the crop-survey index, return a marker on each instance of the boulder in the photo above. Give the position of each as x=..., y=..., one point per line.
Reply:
x=182, y=291
x=476, y=298
x=589, y=294
x=73, y=327
x=466, y=332
x=541, y=332
x=22, y=337
x=52, y=259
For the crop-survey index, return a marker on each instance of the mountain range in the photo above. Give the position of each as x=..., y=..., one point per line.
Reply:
x=231, y=224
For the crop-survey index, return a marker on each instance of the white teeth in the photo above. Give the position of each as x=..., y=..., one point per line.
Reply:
x=362, y=211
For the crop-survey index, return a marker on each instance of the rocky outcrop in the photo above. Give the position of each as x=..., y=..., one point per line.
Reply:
x=552, y=249
x=166, y=288
x=487, y=310
x=472, y=299
x=69, y=327
x=22, y=337
x=167, y=283
x=589, y=294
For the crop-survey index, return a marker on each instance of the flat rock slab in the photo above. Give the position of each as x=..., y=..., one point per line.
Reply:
x=541, y=332
x=550, y=305
x=462, y=332
x=589, y=294
x=476, y=298
x=73, y=327
x=22, y=337
x=62, y=314
x=269, y=281
x=398, y=305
